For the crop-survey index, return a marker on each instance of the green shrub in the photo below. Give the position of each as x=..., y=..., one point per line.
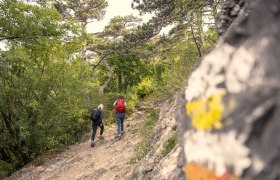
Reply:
x=168, y=145
x=145, y=88
x=5, y=169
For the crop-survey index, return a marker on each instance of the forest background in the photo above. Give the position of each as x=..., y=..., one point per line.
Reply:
x=53, y=72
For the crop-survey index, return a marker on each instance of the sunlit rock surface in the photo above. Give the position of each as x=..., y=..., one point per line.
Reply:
x=239, y=136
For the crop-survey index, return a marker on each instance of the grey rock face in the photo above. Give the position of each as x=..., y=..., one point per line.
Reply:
x=237, y=84
x=228, y=14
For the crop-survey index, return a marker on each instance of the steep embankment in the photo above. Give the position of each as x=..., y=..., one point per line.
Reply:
x=156, y=164
x=111, y=159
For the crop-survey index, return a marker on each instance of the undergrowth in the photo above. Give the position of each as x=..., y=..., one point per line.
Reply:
x=168, y=145
x=144, y=146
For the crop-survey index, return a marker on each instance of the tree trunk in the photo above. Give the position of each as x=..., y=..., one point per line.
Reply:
x=195, y=41
x=106, y=84
x=199, y=22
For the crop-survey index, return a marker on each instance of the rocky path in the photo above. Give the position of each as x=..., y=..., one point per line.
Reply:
x=107, y=160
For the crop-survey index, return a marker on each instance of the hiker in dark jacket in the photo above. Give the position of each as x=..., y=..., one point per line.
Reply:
x=97, y=117
x=120, y=106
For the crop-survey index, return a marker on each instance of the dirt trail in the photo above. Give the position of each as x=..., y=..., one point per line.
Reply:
x=107, y=160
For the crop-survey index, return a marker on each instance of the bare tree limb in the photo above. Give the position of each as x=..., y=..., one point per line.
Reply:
x=103, y=57
x=3, y=37
x=109, y=80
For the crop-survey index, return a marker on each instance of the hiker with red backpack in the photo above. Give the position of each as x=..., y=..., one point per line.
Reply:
x=120, y=106
x=97, y=118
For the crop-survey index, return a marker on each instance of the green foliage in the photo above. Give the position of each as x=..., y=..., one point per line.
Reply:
x=144, y=146
x=5, y=168
x=47, y=89
x=45, y=92
x=145, y=88
x=42, y=102
x=132, y=101
x=129, y=72
x=186, y=43
x=211, y=37
x=84, y=11
x=176, y=56
x=168, y=145
x=121, y=25
x=175, y=68
x=19, y=20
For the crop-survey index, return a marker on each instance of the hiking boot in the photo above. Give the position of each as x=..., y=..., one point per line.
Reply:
x=118, y=137
x=101, y=137
x=92, y=144
x=122, y=132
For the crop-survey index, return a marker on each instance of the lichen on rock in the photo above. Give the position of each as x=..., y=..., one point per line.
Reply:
x=206, y=113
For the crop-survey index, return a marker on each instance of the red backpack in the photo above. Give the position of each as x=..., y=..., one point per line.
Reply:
x=120, y=105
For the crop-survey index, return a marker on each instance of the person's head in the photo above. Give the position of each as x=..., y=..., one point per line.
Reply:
x=100, y=106
x=121, y=97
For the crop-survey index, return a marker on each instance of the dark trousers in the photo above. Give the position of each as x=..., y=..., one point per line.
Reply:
x=94, y=129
